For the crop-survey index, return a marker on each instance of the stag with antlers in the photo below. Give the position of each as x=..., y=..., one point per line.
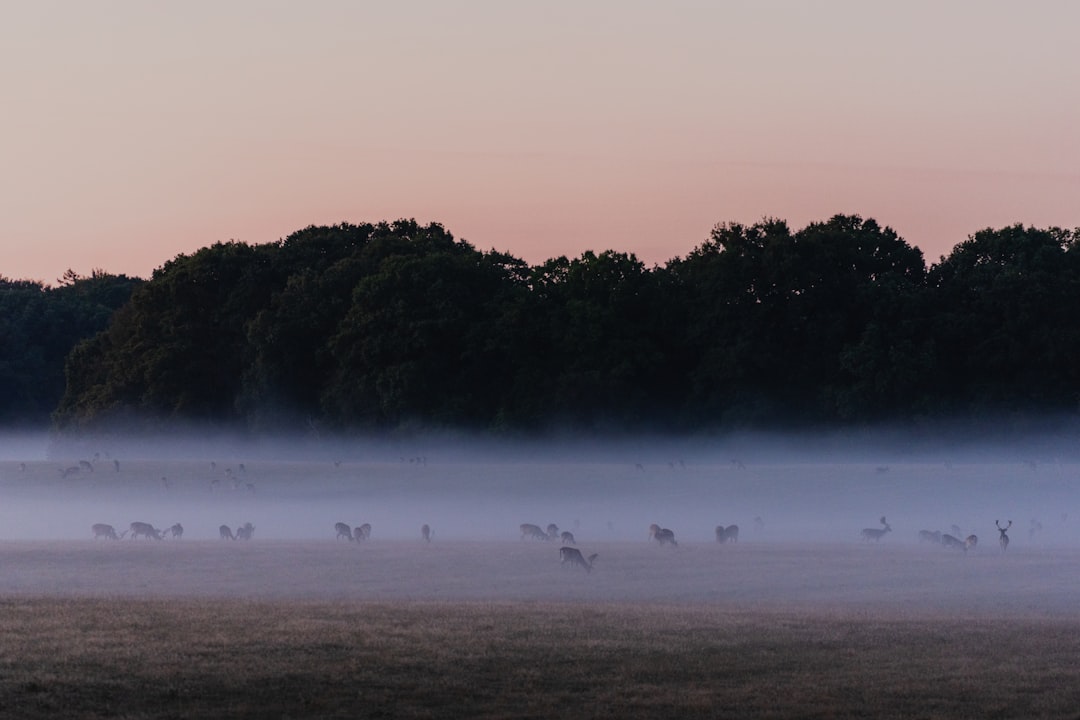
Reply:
x=1004, y=540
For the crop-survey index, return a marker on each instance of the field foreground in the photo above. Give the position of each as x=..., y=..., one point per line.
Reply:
x=204, y=658
x=799, y=619
x=163, y=629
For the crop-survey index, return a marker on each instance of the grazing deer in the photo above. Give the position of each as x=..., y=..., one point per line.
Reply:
x=533, y=531
x=343, y=531
x=177, y=531
x=425, y=532
x=1004, y=538
x=568, y=538
x=363, y=532
x=971, y=541
x=574, y=557
x=727, y=534
x=245, y=531
x=225, y=532
x=930, y=537
x=874, y=534
x=144, y=529
x=553, y=531
x=106, y=531
x=951, y=541
x=662, y=535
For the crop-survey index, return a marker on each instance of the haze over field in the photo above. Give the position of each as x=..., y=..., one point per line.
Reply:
x=800, y=514
x=777, y=489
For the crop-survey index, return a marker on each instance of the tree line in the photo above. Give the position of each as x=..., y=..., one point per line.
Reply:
x=39, y=326
x=399, y=325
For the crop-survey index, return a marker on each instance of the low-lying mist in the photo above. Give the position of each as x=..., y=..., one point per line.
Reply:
x=777, y=489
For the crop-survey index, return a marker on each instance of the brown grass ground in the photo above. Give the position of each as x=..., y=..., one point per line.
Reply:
x=201, y=658
x=144, y=629
x=289, y=625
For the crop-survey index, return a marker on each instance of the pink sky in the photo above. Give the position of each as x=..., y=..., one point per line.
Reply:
x=133, y=131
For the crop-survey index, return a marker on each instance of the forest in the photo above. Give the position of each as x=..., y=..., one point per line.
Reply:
x=398, y=326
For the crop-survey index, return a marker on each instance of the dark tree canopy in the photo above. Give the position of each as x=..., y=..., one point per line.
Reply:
x=39, y=326
x=399, y=325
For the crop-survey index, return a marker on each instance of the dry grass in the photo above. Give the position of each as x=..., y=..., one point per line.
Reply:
x=161, y=659
x=792, y=622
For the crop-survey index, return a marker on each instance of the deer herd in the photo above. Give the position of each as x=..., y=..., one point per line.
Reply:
x=148, y=531
x=568, y=554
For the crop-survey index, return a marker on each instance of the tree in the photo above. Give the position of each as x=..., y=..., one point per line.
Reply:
x=418, y=346
x=39, y=326
x=598, y=359
x=1007, y=302
x=179, y=349
x=773, y=315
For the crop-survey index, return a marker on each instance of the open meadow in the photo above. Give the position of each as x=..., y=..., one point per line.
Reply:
x=804, y=616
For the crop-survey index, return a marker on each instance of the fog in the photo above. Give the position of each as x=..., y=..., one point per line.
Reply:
x=776, y=489
x=789, y=496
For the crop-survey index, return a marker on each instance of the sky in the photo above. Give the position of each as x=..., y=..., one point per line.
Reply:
x=133, y=131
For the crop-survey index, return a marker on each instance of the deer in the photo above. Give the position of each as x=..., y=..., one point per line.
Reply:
x=951, y=541
x=574, y=557
x=662, y=535
x=727, y=534
x=971, y=541
x=1004, y=539
x=363, y=532
x=106, y=531
x=874, y=534
x=245, y=531
x=533, y=531
x=176, y=530
x=145, y=529
x=225, y=532
x=425, y=532
x=553, y=531
x=567, y=538
x=343, y=531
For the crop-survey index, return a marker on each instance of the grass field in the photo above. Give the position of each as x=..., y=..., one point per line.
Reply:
x=798, y=620
x=201, y=658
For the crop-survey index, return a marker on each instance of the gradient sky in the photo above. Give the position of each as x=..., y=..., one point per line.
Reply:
x=132, y=131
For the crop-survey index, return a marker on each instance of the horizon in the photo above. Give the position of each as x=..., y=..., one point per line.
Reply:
x=136, y=133
x=60, y=279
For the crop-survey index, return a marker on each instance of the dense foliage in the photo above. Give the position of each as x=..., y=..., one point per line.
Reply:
x=399, y=325
x=39, y=325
